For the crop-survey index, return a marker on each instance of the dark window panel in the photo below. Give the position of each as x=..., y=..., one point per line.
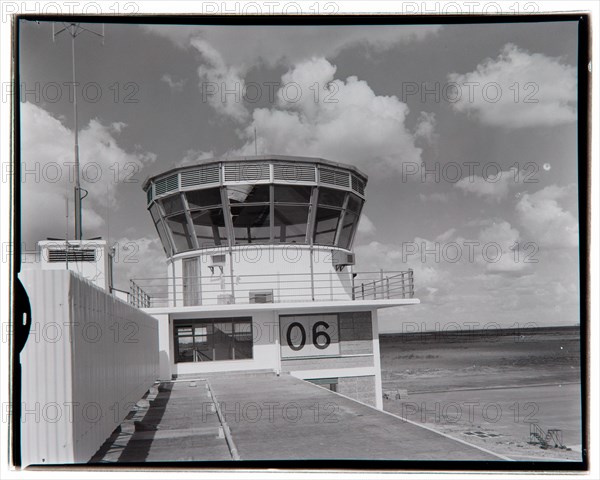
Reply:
x=164, y=239
x=204, y=198
x=350, y=220
x=251, y=223
x=292, y=194
x=326, y=223
x=154, y=213
x=354, y=203
x=179, y=230
x=331, y=197
x=248, y=194
x=209, y=227
x=172, y=204
x=208, y=340
x=290, y=224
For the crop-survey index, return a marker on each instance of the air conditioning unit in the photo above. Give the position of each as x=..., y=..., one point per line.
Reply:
x=218, y=261
x=341, y=259
x=225, y=299
x=261, y=296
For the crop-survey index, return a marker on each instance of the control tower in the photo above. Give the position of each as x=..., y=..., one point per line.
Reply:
x=260, y=272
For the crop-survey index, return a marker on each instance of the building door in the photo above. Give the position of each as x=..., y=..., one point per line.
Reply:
x=191, y=282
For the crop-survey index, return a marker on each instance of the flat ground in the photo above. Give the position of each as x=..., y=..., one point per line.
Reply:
x=489, y=387
x=270, y=418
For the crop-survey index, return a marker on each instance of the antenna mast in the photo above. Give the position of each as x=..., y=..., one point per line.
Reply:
x=74, y=30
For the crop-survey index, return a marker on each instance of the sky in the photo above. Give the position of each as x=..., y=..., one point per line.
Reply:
x=468, y=134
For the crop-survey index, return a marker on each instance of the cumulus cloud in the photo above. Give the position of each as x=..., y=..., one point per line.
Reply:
x=518, y=89
x=545, y=220
x=366, y=227
x=139, y=258
x=425, y=128
x=351, y=124
x=48, y=174
x=434, y=197
x=391, y=257
x=218, y=80
x=495, y=187
x=193, y=156
x=175, y=85
x=242, y=45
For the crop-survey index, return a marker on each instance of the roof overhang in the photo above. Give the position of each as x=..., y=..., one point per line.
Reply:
x=280, y=158
x=297, y=307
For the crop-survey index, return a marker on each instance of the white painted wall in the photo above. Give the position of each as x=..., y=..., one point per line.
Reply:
x=377, y=361
x=284, y=269
x=88, y=358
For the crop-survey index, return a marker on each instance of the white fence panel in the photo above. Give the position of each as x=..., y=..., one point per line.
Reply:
x=88, y=359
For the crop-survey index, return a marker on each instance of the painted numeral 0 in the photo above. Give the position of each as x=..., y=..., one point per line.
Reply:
x=315, y=336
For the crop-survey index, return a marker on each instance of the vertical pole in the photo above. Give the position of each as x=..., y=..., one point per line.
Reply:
x=78, y=228
x=411, y=285
x=278, y=287
x=312, y=274
x=387, y=282
x=381, y=281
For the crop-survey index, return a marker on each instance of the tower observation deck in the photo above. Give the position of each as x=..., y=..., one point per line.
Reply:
x=242, y=201
x=262, y=229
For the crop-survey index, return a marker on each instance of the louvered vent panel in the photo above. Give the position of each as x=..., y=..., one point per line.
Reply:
x=246, y=172
x=200, y=176
x=327, y=176
x=209, y=174
x=160, y=186
x=75, y=255
x=165, y=185
x=172, y=183
x=294, y=173
x=190, y=178
x=358, y=185
x=334, y=177
x=149, y=194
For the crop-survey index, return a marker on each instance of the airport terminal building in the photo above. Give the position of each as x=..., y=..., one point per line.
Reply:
x=260, y=273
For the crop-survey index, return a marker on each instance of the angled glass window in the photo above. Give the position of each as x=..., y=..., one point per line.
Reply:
x=331, y=197
x=326, y=223
x=347, y=232
x=180, y=232
x=354, y=203
x=162, y=234
x=209, y=227
x=207, y=197
x=251, y=223
x=244, y=193
x=172, y=204
x=290, y=223
x=292, y=194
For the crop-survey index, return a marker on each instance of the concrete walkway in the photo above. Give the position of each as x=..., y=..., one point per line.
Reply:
x=270, y=418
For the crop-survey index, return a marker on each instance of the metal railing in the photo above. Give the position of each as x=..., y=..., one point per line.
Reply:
x=385, y=285
x=137, y=296
x=219, y=289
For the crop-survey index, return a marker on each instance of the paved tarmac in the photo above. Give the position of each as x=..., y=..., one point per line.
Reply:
x=262, y=416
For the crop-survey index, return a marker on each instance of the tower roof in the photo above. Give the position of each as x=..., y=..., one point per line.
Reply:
x=255, y=158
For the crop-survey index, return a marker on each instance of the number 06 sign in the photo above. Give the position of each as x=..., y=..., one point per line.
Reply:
x=309, y=335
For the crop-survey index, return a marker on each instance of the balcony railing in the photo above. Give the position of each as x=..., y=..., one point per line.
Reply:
x=220, y=289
